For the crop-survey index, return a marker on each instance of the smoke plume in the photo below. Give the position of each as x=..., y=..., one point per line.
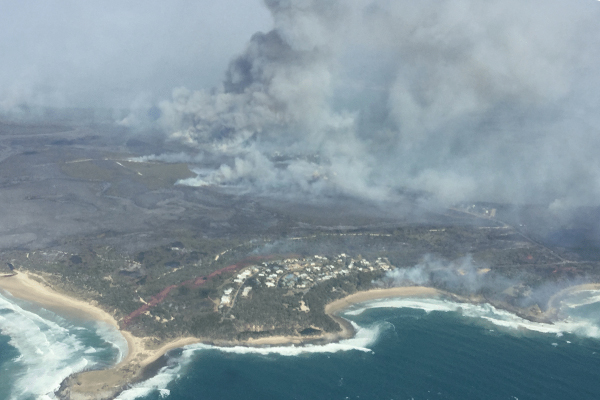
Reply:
x=456, y=99
x=460, y=276
x=466, y=277
x=460, y=99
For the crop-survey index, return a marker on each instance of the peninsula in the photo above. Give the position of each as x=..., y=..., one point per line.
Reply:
x=86, y=217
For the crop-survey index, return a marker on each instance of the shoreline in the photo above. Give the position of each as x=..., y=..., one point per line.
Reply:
x=143, y=356
x=336, y=306
x=23, y=286
x=33, y=288
x=553, y=309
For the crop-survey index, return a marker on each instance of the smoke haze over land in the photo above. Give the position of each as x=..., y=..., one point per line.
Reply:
x=465, y=276
x=460, y=100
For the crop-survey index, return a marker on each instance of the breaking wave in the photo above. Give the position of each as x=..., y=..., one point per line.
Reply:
x=586, y=324
x=574, y=319
x=581, y=298
x=113, y=337
x=177, y=365
x=51, y=348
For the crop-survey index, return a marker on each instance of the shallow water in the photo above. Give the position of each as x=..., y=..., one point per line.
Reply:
x=39, y=349
x=404, y=349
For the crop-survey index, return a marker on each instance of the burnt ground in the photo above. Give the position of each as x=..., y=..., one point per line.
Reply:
x=77, y=210
x=64, y=181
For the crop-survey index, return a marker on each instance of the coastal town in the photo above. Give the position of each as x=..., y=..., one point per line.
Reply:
x=311, y=199
x=239, y=290
x=163, y=292
x=297, y=275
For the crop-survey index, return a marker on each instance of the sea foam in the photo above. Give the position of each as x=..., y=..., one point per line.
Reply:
x=112, y=336
x=50, y=349
x=587, y=327
x=581, y=298
x=364, y=338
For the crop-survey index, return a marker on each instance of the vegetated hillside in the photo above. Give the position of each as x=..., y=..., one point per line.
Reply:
x=234, y=289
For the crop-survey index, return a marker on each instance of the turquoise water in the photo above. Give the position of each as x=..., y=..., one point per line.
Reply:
x=7, y=354
x=404, y=349
x=39, y=349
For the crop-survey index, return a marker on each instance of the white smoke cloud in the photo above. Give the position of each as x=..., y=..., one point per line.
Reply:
x=461, y=99
x=461, y=275
x=465, y=276
x=180, y=157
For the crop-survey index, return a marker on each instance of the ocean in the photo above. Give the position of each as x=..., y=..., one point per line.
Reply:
x=39, y=349
x=405, y=348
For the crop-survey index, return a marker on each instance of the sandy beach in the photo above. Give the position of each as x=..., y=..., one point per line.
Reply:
x=32, y=288
x=145, y=351
x=336, y=306
x=374, y=294
x=141, y=351
x=554, y=301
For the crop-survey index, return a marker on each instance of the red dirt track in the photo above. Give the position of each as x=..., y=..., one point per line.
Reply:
x=193, y=283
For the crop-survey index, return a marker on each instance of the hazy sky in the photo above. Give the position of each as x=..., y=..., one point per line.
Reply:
x=115, y=53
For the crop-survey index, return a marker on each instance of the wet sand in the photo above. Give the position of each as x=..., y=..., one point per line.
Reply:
x=145, y=352
x=31, y=287
x=360, y=297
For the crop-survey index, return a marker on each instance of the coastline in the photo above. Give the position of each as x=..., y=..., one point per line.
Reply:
x=336, y=306
x=24, y=286
x=553, y=302
x=98, y=383
x=144, y=353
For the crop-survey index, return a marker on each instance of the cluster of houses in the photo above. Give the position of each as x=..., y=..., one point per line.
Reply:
x=297, y=274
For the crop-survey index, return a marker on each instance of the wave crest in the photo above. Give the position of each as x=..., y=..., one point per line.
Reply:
x=51, y=348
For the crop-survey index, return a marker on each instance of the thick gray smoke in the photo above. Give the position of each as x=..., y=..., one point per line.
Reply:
x=461, y=99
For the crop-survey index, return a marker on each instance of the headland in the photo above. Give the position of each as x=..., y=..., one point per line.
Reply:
x=145, y=352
